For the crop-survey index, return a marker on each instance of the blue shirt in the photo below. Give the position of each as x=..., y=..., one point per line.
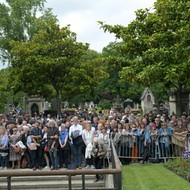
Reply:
x=4, y=141
x=62, y=136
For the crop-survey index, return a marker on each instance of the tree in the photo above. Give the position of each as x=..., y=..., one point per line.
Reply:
x=85, y=78
x=47, y=61
x=18, y=22
x=156, y=46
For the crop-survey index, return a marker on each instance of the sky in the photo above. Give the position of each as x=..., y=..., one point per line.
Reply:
x=83, y=15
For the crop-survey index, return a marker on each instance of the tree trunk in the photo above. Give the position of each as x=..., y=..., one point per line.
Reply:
x=179, y=101
x=56, y=104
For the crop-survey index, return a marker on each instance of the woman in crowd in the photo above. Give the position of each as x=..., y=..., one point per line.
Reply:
x=164, y=138
x=179, y=138
x=53, y=143
x=99, y=130
x=104, y=138
x=3, y=148
x=88, y=136
x=45, y=147
x=134, y=133
x=14, y=153
x=64, y=147
x=141, y=135
x=24, y=137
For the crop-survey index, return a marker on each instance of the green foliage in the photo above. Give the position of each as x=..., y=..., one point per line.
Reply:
x=49, y=59
x=4, y=91
x=105, y=104
x=155, y=46
x=17, y=22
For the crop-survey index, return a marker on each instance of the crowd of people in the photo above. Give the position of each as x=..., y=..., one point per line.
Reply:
x=158, y=138
x=43, y=142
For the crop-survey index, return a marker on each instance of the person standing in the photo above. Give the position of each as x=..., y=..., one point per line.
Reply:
x=53, y=142
x=24, y=137
x=88, y=137
x=13, y=154
x=36, y=137
x=98, y=152
x=75, y=134
x=4, y=140
x=64, y=146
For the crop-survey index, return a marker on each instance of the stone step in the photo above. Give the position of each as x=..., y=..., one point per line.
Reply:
x=39, y=185
x=46, y=178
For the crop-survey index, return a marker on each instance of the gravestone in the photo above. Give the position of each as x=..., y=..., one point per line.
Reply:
x=147, y=101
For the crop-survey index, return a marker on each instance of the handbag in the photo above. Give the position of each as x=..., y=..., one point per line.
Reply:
x=46, y=149
x=17, y=149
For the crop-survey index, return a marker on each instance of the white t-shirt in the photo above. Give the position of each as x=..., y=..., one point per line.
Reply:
x=73, y=128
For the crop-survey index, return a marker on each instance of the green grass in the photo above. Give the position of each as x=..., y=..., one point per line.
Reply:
x=151, y=177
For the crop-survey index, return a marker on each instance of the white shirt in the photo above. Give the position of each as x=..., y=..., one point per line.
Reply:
x=75, y=128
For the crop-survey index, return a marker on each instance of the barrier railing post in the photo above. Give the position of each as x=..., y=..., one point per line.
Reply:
x=9, y=183
x=69, y=178
x=119, y=181
x=83, y=182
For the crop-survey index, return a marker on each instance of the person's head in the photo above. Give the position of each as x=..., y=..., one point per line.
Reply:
x=174, y=118
x=24, y=123
x=150, y=117
x=95, y=119
x=25, y=129
x=67, y=124
x=120, y=125
x=179, y=123
x=164, y=125
x=133, y=126
x=144, y=120
x=15, y=131
x=75, y=120
x=87, y=126
x=107, y=124
x=63, y=126
x=37, y=124
x=104, y=131
x=95, y=141
x=45, y=129
x=100, y=126
x=157, y=120
x=51, y=123
x=153, y=126
x=142, y=125
x=188, y=127
x=171, y=123
x=2, y=130
x=19, y=127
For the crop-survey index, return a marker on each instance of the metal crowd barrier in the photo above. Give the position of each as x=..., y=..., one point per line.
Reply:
x=160, y=148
